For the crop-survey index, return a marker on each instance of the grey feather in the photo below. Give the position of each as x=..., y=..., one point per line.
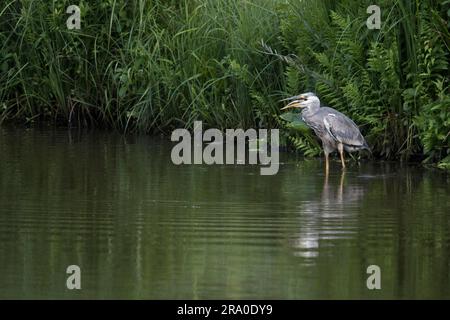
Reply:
x=344, y=130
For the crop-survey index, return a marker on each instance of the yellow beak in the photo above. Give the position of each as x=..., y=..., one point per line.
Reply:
x=294, y=104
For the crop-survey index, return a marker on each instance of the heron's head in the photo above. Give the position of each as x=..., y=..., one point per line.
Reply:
x=302, y=101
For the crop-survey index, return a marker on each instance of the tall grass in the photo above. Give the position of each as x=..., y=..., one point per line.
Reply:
x=144, y=65
x=154, y=65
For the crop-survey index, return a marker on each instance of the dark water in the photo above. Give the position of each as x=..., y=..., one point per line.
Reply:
x=140, y=227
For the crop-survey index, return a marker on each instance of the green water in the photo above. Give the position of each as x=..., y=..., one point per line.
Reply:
x=140, y=227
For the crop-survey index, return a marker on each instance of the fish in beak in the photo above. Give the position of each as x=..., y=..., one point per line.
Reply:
x=295, y=103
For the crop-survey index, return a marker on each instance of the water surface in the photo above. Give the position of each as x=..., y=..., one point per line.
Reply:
x=140, y=227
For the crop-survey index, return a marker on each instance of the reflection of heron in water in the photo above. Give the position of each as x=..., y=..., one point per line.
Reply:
x=327, y=218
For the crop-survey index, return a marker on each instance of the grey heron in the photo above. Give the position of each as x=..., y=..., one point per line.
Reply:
x=336, y=130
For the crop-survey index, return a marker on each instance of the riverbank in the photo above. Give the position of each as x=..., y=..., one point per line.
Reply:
x=154, y=66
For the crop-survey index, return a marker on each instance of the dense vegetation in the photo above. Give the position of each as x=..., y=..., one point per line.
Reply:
x=153, y=65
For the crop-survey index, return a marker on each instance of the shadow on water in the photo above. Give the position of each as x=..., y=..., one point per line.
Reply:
x=140, y=227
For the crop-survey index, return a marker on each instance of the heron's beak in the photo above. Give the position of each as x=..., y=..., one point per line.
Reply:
x=293, y=98
x=297, y=103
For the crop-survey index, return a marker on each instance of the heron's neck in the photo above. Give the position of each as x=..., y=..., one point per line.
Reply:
x=311, y=110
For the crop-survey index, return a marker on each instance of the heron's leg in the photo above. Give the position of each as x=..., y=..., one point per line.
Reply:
x=341, y=152
x=327, y=164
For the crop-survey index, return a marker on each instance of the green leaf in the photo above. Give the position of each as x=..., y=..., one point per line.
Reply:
x=294, y=121
x=290, y=116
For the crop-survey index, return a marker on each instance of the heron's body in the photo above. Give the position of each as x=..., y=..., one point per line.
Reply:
x=336, y=130
x=324, y=123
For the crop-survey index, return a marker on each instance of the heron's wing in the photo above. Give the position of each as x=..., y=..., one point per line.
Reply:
x=343, y=129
